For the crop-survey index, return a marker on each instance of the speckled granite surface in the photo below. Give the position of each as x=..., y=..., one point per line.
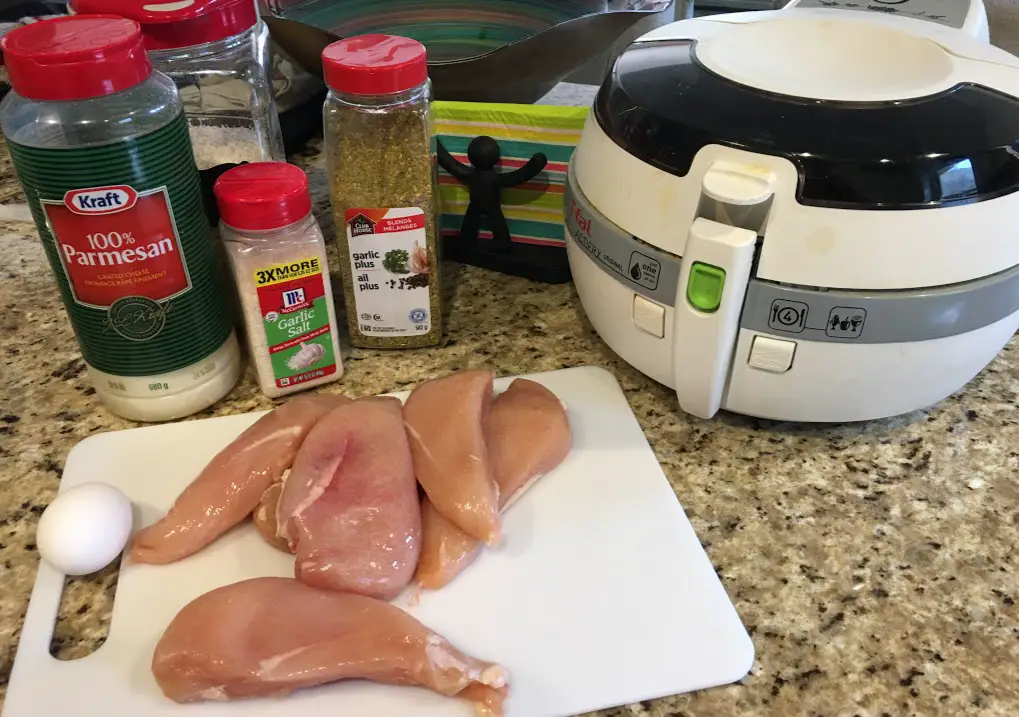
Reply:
x=874, y=564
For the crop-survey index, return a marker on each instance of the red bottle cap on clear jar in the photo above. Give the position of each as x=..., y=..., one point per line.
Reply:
x=374, y=65
x=262, y=195
x=76, y=57
x=172, y=24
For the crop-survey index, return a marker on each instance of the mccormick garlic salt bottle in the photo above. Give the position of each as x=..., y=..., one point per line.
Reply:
x=383, y=189
x=100, y=144
x=278, y=256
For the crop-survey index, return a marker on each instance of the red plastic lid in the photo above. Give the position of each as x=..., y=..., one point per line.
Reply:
x=262, y=195
x=171, y=24
x=374, y=64
x=76, y=57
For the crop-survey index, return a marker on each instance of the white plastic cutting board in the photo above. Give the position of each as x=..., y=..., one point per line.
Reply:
x=601, y=595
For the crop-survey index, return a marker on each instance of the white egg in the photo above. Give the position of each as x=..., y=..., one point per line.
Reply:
x=85, y=528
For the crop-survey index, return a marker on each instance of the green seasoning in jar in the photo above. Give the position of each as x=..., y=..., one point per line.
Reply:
x=383, y=189
x=278, y=256
x=100, y=145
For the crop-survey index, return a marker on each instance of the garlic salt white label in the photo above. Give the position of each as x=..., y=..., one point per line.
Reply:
x=391, y=270
x=294, y=305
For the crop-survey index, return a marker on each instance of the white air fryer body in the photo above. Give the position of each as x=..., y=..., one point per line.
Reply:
x=754, y=281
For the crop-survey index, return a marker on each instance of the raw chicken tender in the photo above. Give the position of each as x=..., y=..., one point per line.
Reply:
x=271, y=636
x=349, y=508
x=229, y=488
x=445, y=422
x=528, y=435
x=446, y=551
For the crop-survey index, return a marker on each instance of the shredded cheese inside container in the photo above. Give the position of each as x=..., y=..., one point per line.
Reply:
x=278, y=257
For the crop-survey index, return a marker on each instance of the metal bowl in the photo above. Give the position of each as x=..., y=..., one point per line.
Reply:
x=479, y=50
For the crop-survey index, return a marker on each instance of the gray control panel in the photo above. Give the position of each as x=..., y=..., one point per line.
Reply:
x=644, y=268
x=790, y=312
x=944, y=12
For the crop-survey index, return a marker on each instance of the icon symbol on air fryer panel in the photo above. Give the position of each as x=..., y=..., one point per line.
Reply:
x=845, y=322
x=788, y=316
x=644, y=270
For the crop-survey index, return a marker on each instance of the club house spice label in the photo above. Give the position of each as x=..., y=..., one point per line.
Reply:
x=295, y=313
x=390, y=265
x=120, y=251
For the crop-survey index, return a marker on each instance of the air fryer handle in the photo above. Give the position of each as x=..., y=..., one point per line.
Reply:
x=716, y=268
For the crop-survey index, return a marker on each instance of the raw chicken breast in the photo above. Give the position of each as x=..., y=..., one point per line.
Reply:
x=445, y=421
x=264, y=516
x=528, y=435
x=446, y=551
x=349, y=507
x=229, y=488
x=271, y=636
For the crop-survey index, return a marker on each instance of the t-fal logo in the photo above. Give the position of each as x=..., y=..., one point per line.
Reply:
x=360, y=225
x=578, y=216
x=101, y=200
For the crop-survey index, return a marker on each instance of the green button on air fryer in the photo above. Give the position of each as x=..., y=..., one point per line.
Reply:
x=704, y=290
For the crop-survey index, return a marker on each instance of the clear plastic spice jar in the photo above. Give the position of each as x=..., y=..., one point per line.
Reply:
x=218, y=54
x=382, y=176
x=278, y=256
x=100, y=145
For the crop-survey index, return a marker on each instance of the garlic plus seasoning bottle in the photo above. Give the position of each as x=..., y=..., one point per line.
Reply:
x=383, y=189
x=100, y=145
x=278, y=257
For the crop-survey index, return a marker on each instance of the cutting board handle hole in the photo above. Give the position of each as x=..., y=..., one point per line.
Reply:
x=83, y=622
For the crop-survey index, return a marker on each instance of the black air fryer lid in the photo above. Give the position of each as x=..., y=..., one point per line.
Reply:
x=961, y=145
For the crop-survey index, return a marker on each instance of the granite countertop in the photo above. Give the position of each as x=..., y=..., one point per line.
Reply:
x=874, y=564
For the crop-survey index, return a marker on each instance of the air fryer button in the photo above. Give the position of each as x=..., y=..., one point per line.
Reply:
x=648, y=316
x=772, y=355
x=704, y=289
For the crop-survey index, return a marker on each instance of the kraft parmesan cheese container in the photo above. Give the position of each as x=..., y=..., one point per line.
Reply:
x=100, y=144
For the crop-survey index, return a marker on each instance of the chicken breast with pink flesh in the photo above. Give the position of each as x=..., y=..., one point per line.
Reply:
x=445, y=421
x=264, y=517
x=349, y=508
x=271, y=636
x=528, y=434
x=232, y=484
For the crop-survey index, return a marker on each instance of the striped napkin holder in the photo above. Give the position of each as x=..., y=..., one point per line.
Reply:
x=533, y=211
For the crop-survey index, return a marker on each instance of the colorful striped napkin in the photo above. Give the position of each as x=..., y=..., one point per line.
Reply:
x=533, y=211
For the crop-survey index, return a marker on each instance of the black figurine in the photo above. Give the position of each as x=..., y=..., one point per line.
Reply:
x=485, y=184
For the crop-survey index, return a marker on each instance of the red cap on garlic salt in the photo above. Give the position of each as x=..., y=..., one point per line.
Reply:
x=262, y=195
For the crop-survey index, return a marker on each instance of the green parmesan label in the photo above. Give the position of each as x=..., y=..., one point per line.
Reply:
x=128, y=241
